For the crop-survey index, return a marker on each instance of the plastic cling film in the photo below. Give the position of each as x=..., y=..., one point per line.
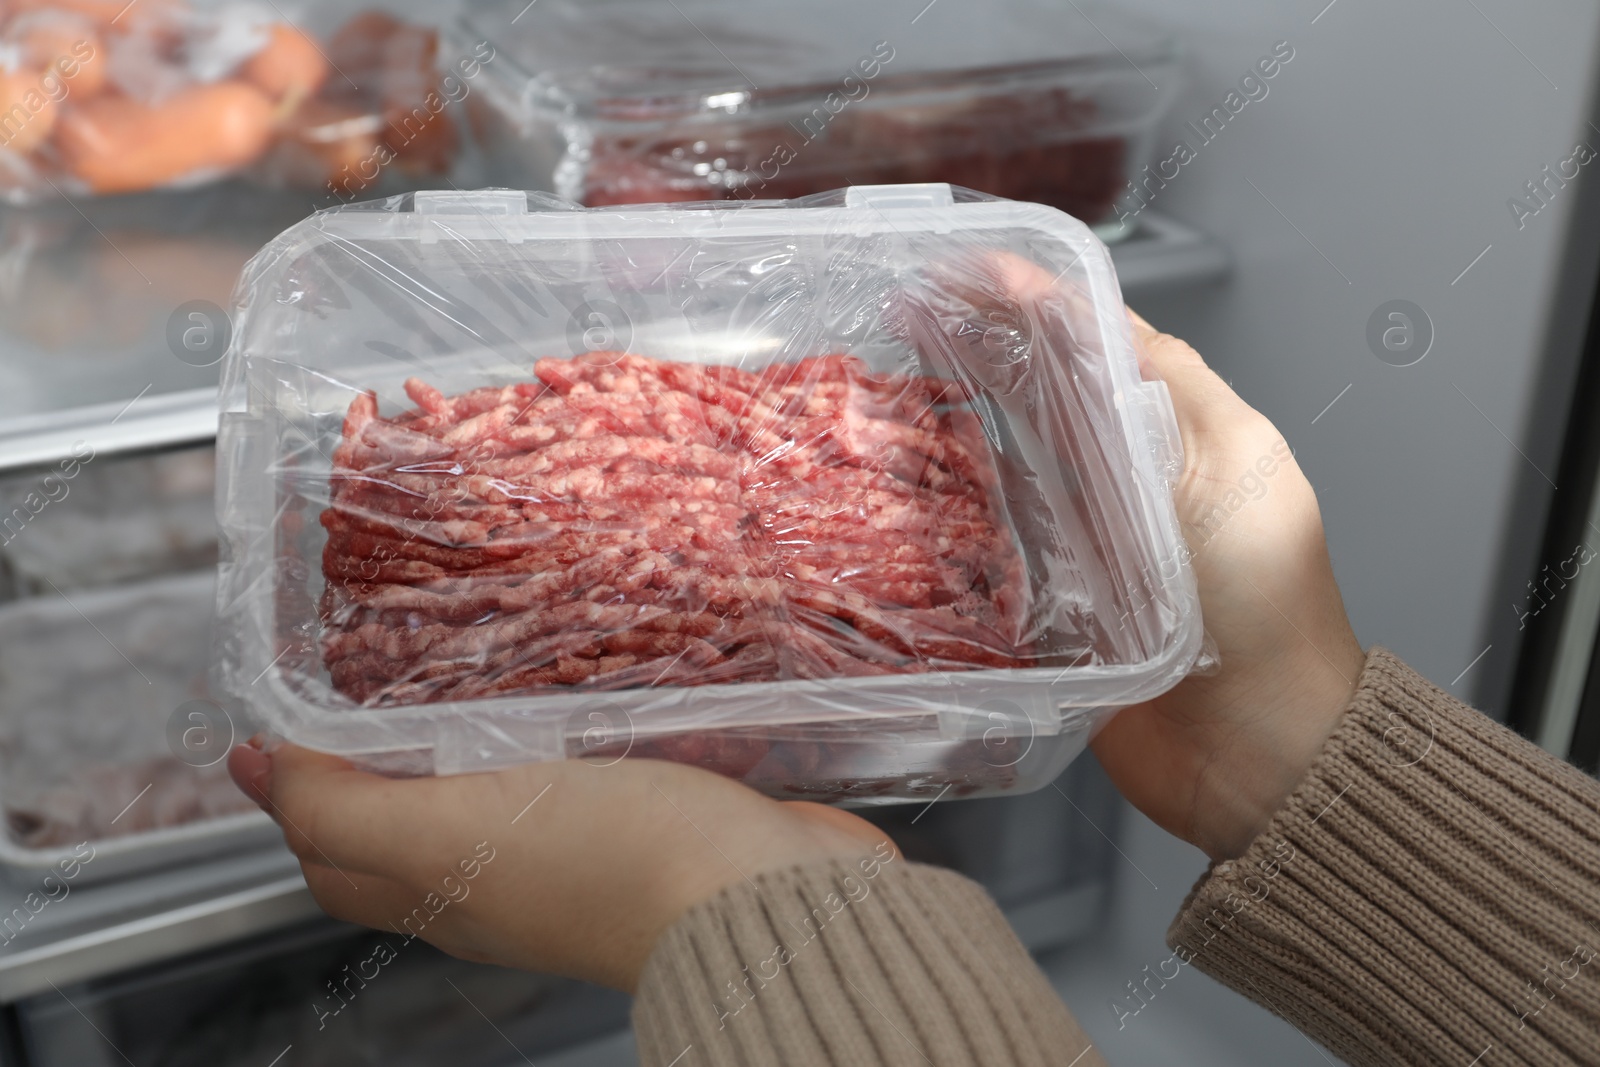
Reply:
x=842, y=497
x=102, y=99
x=630, y=102
x=620, y=521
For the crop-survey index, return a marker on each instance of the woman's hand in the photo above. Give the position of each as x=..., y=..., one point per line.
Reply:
x=571, y=868
x=1214, y=758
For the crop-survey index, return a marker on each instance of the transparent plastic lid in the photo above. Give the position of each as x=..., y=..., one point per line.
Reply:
x=642, y=59
x=877, y=455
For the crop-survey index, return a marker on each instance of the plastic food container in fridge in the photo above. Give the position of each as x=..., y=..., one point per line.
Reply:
x=104, y=98
x=102, y=520
x=631, y=101
x=91, y=686
x=858, y=497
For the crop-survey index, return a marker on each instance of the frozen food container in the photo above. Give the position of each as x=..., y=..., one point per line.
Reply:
x=858, y=497
x=631, y=101
x=99, y=97
x=93, y=519
x=90, y=687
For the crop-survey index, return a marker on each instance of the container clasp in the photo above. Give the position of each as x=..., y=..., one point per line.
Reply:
x=925, y=194
x=470, y=202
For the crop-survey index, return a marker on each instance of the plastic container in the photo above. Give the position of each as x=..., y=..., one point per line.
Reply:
x=102, y=98
x=89, y=685
x=1044, y=581
x=116, y=518
x=632, y=101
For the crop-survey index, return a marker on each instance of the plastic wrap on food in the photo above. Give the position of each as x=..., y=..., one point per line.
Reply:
x=630, y=101
x=856, y=497
x=100, y=99
x=92, y=520
x=655, y=523
x=89, y=683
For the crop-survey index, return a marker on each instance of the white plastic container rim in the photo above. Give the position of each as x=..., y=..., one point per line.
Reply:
x=474, y=735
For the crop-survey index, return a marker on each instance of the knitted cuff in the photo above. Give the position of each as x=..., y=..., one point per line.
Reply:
x=869, y=962
x=1430, y=894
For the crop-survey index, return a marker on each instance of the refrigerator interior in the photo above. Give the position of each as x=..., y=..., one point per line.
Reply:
x=1377, y=166
x=324, y=994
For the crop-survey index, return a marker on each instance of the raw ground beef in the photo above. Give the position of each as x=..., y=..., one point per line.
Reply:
x=1025, y=145
x=621, y=521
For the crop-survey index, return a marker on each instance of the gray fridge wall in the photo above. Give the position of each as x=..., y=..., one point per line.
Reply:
x=1378, y=167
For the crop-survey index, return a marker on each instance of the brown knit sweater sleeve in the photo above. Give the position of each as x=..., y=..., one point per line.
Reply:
x=1430, y=894
x=877, y=962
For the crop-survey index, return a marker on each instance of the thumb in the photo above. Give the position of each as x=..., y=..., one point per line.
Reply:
x=1202, y=401
x=335, y=815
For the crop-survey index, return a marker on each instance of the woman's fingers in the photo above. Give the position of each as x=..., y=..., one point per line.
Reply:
x=357, y=897
x=384, y=853
x=845, y=822
x=1202, y=401
x=337, y=816
x=486, y=866
x=435, y=915
x=331, y=814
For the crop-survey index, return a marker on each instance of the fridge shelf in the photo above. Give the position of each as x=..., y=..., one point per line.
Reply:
x=103, y=929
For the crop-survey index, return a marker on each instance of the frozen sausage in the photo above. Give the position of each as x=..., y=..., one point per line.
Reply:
x=289, y=64
x=117, y=145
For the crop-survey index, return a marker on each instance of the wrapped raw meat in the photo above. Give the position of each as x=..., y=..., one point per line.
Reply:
x=90, y=683
x=122, y=98
x=1027, y=145
x=619, y=522
x=860, y=497
x=631, y=102
x=392, y=73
